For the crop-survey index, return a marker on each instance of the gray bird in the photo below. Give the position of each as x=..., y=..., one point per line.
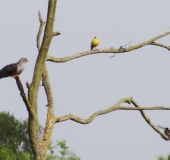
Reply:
x=166, y=130
x=13, y=69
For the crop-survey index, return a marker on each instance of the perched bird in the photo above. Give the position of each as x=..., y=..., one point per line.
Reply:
x=166, y=131
x=13, y=69
x=95, y=42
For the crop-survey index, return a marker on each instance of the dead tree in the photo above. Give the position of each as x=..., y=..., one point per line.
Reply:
x=39, y=145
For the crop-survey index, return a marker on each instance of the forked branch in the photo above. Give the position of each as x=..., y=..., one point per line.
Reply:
x=149, y=121
x=160, y=45
x=39, y=66
x=113, y=108
x=94, y=115
x=47, y=87
x=40, y=30
x=117, y=106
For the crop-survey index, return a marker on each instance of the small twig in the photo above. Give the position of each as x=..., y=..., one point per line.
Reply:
x=123, y=47
x=113, y=55
x=56, y=33
x=126, y=44
x=28, y=85
x=40, y=30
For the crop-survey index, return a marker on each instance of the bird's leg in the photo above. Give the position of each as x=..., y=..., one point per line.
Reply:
x=94, y=49
x=16, y=76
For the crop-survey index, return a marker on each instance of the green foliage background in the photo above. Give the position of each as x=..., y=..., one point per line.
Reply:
x=15, y=145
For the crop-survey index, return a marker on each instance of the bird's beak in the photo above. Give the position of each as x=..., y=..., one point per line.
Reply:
x=27, y=60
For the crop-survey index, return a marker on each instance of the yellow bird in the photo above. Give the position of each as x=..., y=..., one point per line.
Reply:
x=95, y=42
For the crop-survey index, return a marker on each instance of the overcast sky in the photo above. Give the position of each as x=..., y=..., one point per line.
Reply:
x=88, y=84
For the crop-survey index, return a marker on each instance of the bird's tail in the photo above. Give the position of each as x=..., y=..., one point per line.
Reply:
x=161, y=127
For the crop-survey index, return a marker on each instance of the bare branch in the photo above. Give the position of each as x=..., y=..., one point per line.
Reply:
x=40, y=30
x=48, y=90
x=111, y=50
x=149, y=121
x=70, y=116
x=160, y=45
x=50, y=115
x=56, y=33
x=144, y=108
x=94, y=115
x=23, y=95
x=114, y=108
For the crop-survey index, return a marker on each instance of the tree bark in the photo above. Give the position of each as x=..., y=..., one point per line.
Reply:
x=39, y=146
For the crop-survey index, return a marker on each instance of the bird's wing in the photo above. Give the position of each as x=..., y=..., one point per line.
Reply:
x=8, y=70
x=91, y=47
x=168, y=133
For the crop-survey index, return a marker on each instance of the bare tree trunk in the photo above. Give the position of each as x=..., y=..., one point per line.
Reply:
x=39, y=146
